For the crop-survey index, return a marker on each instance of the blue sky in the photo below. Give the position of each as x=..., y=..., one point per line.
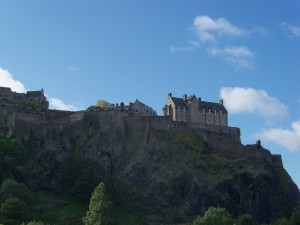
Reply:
x=246, y=52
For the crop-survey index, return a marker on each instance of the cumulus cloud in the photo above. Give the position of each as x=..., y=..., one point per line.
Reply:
x=292, y=30
x=209, y=29
x=236, y=56
x=7, y=80
x=249, y=100
x=55, y=103
x=287, y=138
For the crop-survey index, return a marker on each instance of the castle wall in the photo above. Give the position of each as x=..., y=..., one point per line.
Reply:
x=277, y=160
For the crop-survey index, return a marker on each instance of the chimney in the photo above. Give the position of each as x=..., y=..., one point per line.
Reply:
x=221, y=102
x=184, y=97
x=199, y=99
x=170, y=95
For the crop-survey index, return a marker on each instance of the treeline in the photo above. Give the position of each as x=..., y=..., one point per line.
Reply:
x=220, y=216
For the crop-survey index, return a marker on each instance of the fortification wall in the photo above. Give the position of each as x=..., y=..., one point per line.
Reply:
x=152, y=122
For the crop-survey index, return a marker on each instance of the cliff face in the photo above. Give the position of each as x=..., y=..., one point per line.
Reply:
x=162, y=171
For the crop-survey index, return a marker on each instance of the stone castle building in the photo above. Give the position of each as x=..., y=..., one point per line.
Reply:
x=30, y=99
x=193, y=110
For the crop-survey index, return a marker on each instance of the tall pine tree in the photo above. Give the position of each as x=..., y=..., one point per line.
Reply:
x=100, y=207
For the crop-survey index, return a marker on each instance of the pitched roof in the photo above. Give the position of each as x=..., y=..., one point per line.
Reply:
x=211, y=105
x=202, y=104
x=178, y=101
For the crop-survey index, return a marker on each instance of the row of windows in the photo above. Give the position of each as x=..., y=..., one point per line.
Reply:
x=195, y=111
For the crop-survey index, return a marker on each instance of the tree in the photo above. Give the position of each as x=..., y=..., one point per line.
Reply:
x=71, y=220
x=99, y=212
x=214, y=216
x=79, y=176
x=34, y=223
x=14, y=211
x=11, y=188
x=103, y=103
x=295, y=218
x=245, y=219
x=281, y=221
x=12, y=154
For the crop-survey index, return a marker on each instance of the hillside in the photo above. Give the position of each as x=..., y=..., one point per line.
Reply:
x=161, y=172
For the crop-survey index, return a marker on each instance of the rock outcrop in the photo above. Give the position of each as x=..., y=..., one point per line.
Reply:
x=165, y=172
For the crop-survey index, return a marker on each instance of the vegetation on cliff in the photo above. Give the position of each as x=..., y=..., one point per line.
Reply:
x=160, y=176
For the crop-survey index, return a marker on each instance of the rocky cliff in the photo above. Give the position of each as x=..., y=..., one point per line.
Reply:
x=164, y=172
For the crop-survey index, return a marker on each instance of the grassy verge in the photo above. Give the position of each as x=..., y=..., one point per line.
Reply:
x=52, y=208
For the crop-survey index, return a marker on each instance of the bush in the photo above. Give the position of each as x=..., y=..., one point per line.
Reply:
x=295, y=218
x=214, y=216
x=14, y=211
x=11, y=188
x=281, y=221
x=72, y=220
x=34, y=223
x=245, y=219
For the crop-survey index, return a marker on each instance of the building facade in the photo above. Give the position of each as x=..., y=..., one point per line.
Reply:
x=194, y=110
x=140, y=109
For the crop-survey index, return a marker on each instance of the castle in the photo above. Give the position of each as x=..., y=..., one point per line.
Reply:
x=189, y=109
x=193, y=110
x=207, y=119
x=31, y=99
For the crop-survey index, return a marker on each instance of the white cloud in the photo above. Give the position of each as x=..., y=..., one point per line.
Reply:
x=249, y=100
x=176, y=49
x=56, y=103
x=7, y=80
x=191, y=47
x=288, y=138
x=194, y=43
x=217, y=36
x=292, y=30
x=238, y=57
x=209, y=29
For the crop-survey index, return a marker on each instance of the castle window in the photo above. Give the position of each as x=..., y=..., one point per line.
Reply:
x=136, y=109
x=179, y=108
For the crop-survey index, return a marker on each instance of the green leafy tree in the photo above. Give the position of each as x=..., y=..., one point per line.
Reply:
x=245, y=219
x=102, y=104
x=72, y=220
x=14, y=212
x=80, y=176
x=34, y=223
x=214, y=216
x=12, y=154
x=295, y=218
x=281, y=221
x=99, y=212
x=11, y=188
